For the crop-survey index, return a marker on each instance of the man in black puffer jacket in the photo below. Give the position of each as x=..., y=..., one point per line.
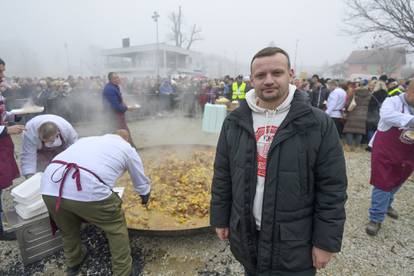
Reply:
x=279, y=185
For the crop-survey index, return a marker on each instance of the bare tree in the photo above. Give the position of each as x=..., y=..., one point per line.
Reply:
x=390, y=59
x=177, y=34
x=194, y=36
x=392, y=19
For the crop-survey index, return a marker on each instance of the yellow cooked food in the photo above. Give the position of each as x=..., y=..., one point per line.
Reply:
x=409, y=134
x=181, y=185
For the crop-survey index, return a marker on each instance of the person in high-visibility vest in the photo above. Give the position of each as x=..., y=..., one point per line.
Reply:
x=238, y=89
x=393, y=88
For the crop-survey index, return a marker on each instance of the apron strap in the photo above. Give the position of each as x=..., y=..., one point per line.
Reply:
x=75, y=175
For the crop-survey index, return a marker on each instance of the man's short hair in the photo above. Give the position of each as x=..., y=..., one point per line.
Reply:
x=2, y=62
x=333, y=82
x=344, y=84
x=110, y=75
x=383, y=78
x=268, y=52
x=47, y=130
x=316, y=76
x=391, y=80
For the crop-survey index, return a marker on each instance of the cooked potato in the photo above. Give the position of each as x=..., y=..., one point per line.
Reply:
x=181, y=185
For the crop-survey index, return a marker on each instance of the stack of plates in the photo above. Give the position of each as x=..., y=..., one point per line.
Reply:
x=29, y=202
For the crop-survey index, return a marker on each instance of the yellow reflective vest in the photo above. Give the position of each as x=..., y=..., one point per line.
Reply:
x=395, y=91
x=239, y=92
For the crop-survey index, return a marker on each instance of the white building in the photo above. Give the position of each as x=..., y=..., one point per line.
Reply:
x=141, y=61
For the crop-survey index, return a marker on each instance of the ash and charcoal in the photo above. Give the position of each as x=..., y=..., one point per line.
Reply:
x=97, y=263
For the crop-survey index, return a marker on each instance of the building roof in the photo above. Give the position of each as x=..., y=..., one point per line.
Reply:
x=378, y=56
x=130, y=51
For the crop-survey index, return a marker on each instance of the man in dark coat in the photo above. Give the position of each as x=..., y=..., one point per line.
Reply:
x=319, y=93
x=115, y=106
x=279, y=185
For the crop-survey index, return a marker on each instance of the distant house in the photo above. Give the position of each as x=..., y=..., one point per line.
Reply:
x=367, y=63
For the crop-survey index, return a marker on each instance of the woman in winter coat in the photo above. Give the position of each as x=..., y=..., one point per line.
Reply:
x=355, y=126
x=378, y=96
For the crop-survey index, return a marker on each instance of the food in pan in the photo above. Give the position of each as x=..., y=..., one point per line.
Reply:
x=181, y=184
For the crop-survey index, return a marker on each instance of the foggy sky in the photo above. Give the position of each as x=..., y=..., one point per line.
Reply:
x=34, y=32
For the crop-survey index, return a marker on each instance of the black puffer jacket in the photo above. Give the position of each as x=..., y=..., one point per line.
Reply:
x=305, y=189
x=318, y=96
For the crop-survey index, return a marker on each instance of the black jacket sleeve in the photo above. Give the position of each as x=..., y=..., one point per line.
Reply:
x=221, y=191
x=330, y=191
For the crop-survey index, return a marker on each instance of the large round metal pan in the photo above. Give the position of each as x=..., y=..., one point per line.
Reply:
x=171, y=230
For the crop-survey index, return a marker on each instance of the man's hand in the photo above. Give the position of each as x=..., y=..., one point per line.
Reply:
x=222, y=233
x=16, y=129
x=320, y=257
x=145, y=198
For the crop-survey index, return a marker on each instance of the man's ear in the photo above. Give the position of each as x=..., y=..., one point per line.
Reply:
x=291, y=74
x=252, y=80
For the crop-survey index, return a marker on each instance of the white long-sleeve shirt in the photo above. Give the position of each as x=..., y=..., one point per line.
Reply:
x=108, y=156
x=392, y=114
x=31, y=141
x=336, y=102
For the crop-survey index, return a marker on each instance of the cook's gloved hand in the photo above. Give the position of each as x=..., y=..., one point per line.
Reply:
x=145, y=198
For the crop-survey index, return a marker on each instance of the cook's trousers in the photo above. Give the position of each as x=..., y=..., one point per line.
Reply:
x=105, y=214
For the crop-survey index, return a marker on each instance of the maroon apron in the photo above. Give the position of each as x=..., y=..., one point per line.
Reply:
x=121, y=121
x=8, y=165
x=392, y=160
x=75, y=175
x=45, y=154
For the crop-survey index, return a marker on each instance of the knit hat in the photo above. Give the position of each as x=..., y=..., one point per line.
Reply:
x=383, y=78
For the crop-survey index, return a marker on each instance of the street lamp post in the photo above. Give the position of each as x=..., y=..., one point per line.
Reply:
x=155, y=17
x=67, y=57
x=296, y=54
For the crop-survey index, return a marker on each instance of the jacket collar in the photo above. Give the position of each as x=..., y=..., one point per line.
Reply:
x=298, y=109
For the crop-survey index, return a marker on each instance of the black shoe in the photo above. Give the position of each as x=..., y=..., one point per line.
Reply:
x=74, y=270
x=133, y=271
x=7, y=236
x=373, y=228
x=392, y=213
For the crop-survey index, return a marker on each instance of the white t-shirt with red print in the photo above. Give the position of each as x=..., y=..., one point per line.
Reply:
x=265, y=124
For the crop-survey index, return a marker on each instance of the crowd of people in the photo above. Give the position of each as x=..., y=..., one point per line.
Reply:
x=60, y=96
x=354, y=105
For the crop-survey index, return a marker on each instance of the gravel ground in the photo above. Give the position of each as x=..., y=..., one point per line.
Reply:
x=390, y=253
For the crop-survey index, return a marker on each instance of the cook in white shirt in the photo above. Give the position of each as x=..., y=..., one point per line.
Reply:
x=91, y=166
x=45, y=137
x=107, y=156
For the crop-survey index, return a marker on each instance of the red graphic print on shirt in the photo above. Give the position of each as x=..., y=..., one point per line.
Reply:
x=264, y=137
